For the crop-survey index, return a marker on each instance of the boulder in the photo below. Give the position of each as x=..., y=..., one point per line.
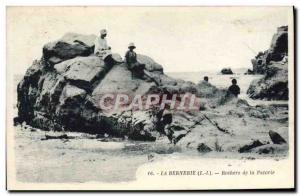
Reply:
x=249, y=72
x=28, y=91
x=70, y=93
x=276, y=138
x=63, y=91
x=226, y=71
x=69, y=46
x=259, y=63
x=203, y=148
x=249, y=147
x=82, y=71
x=279, y=44
x=273, y=86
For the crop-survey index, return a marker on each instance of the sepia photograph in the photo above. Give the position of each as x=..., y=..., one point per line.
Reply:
x=150, y=98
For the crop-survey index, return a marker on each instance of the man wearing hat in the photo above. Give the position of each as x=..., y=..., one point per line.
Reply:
x=101, y=48
x=133, y=64
x=138, y=69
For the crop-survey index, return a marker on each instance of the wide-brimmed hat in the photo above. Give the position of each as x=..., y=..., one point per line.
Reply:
x=131, y=45
x=103, y=32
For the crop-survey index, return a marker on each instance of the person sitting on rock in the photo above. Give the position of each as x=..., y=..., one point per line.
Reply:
x=138, y=69
x=234, y=88
x=133, y=65
x=103, y=50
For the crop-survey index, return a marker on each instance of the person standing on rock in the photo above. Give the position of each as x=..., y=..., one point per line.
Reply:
x=234, y=88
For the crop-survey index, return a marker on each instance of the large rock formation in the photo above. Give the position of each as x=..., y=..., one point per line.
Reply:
x=63, y=91
x=273, y=63
x=277, y=51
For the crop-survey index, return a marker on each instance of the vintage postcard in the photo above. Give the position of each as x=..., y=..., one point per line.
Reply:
x=150, y=98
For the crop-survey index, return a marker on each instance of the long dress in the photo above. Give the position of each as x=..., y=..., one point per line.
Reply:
x=101, y=48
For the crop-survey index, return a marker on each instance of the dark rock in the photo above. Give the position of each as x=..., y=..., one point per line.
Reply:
x=226, y=71
x=276, y=138
x=69, y=46
x=248, y=147
x=249, y=72
x=64, y=136
x=273, y=63
x=273, y=86
x=266, y=150
x=203, y=148
x=17, y=121
x=272, y=149
x=259, y=63
x=28, y=91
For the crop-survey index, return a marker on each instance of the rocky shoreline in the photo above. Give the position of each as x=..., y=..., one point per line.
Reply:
x=61, y=92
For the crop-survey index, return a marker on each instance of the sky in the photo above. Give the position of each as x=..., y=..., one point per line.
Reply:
x=181, y=39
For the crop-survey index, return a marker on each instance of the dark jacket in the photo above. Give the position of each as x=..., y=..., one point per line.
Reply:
x=234, y=89
x=130, y=57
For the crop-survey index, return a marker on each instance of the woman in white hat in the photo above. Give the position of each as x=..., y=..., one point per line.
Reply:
x=101, y=48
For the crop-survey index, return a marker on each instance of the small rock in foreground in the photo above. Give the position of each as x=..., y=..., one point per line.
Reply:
x=276, y=138
x=203, y=148
x=248, y=147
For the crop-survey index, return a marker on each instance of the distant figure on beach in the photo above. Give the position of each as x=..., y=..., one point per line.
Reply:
x=205, y=79
x=234, y=88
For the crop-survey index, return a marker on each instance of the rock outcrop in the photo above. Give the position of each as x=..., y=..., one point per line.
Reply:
x=64, y=93
x=69, y=46
x=276, y=138
x=277, y=51
x=273, y=63
x=250, y=146
x=64, y=90
x=226, y=71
